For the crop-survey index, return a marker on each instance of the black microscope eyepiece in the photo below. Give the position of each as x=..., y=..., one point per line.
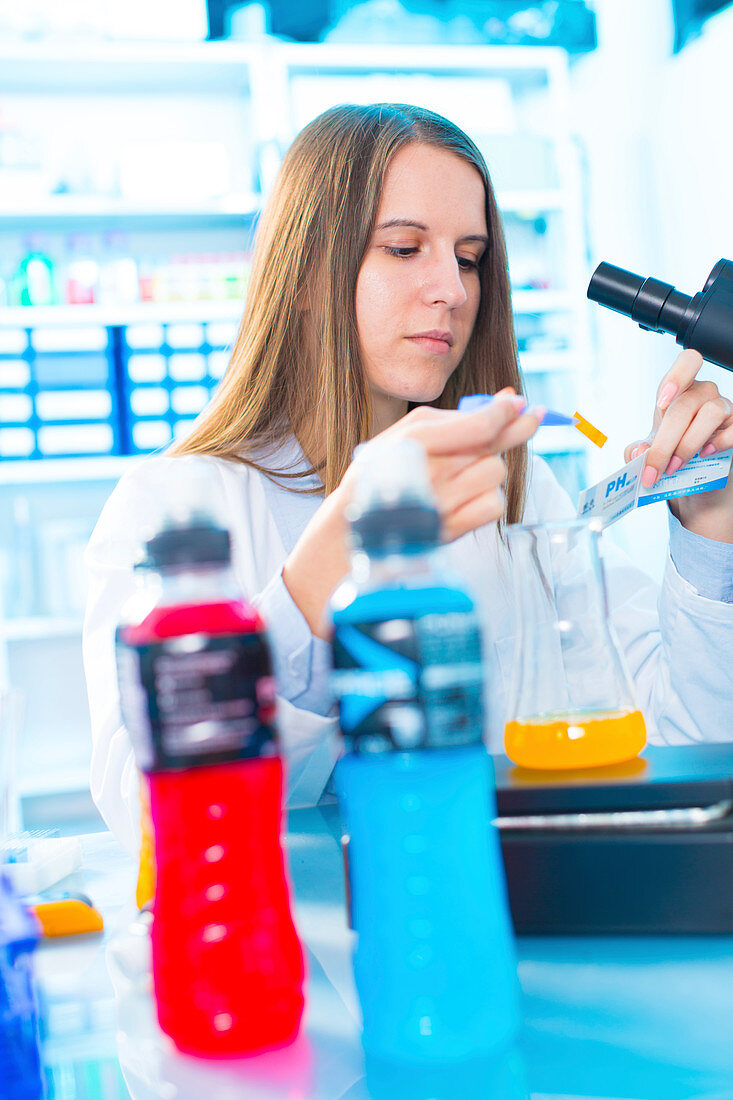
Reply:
x=703, y=322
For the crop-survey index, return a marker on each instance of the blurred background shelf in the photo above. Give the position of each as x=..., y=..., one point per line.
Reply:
x=28, y=317
x=39, y=626
x=88, y=66
x=59, y=471
x=87, y=210
x=117, y=316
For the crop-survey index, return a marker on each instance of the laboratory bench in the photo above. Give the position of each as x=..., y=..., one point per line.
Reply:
x=633, y=1017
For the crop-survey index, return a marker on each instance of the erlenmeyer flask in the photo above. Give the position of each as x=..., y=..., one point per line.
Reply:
x=572, y=701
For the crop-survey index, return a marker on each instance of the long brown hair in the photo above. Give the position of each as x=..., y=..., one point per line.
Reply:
x=310, y=245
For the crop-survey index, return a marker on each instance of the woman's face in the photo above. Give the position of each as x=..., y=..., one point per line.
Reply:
x=418, y=289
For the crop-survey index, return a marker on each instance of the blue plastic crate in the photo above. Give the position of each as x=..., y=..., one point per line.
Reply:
x=57, y=397
x=168, y=374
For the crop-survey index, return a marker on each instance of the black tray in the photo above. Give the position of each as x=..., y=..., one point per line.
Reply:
x=663, y=777
x=644, y=847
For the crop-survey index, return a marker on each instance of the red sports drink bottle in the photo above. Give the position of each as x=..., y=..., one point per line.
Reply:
x=198, y=701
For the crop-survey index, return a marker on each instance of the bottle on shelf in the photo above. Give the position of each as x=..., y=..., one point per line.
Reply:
x=118, y=275
x=188, y=278
x=164, y=278
x=434, y=962
x=198, y=699
x=35, y=279
x=82, y=271
x=146, y=279
x=236, y=275
x=177, y=289
x=208, y=281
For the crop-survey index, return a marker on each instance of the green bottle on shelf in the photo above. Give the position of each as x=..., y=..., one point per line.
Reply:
x=35, y=278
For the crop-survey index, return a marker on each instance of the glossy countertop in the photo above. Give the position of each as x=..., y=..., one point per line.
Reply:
x=638, y=1018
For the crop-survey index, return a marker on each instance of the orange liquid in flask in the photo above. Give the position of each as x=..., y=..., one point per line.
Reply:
x=576, y=741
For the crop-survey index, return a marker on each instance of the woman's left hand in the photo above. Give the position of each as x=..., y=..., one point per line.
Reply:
x=690, y=417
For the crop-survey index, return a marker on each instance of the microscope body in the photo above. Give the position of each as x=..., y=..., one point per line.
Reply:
x=703, y=322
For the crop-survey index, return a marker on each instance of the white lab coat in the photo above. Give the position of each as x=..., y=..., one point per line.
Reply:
x=678, y=644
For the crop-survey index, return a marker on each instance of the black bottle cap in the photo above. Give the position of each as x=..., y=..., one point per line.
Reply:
x=399, y=527
x=393, y=510
x=197, y=543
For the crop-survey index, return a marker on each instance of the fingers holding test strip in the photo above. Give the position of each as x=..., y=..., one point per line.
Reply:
x=690, y=416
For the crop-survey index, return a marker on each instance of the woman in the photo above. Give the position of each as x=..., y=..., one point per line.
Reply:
x=380, y=283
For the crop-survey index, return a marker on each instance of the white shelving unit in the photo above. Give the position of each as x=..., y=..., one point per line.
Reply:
x=39, y=626
x=514, y=103
x=38, y=67
x=70, y=471
x=137, y=313
x=59, y=210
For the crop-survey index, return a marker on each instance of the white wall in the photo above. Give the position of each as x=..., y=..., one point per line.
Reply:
x=694, y=146
x=657, y=135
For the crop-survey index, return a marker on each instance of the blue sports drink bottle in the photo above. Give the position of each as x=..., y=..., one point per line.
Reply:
x=434, y=962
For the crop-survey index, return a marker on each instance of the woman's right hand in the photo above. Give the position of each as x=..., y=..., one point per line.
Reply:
x=467, y=474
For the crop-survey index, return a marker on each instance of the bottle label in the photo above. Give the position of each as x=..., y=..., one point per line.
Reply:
x=197, y=699
x=409, y=683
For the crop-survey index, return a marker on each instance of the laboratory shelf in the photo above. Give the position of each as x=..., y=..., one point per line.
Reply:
x=43, y=65
x=59, y=209
x=523, y=67
x=65, y=470
x=524, y=301
x=38, y=627
x=230, y=210
x=203, y=310
x=166, y=66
